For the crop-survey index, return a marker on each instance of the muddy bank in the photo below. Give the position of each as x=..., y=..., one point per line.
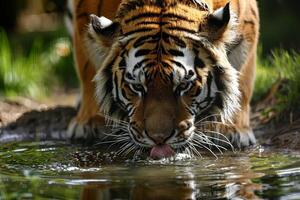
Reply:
x=33, y=121
x=28, y=120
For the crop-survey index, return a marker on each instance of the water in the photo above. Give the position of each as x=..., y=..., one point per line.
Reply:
x=53, y=170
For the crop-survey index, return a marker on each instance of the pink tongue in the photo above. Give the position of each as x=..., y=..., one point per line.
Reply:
x=161, y=151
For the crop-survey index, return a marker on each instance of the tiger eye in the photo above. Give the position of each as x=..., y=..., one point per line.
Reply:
x=183, y=85
x=129, y=76
x=190, y=74
x=138, y=87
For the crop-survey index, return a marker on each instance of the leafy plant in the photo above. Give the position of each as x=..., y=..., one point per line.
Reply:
x=279, y=72
x=21, y=75
x=36, y=73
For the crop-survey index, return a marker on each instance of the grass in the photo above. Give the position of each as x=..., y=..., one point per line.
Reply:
x=280, y=72
x=35, y=73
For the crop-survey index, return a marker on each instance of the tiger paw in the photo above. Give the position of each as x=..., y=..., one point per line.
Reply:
x=86, y=131
x=242, y=139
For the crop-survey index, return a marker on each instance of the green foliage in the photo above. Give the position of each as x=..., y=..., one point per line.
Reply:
x=20, y=74
x=36, y=73
x=282, y=68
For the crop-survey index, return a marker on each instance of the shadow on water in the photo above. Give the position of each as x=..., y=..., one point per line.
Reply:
x=56, y=169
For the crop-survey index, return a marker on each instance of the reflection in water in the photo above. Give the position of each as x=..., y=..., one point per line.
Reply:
x=181, y=181
x=61, y=171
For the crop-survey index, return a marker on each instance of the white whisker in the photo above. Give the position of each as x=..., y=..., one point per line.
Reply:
x=201, y=145
x=124, y=147
x=224, y=136
x=213, y=122
x=204, y=140
x=221, y=140
x=201, y=120
x=194, y=149
x=130, y=149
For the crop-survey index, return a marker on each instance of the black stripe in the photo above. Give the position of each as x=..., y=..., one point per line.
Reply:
x=137, y=131
x=122, y=63
x=175, y=52
x=151, y=64
x=162, y=50
x=142, y=52
x=176, y=28
x=208, y=98
x=218, y=72
x=198, y=62
x=124, y=44
x=116, y=86
x=190, y=111
x=139, y=64
x=124, y=93
x=138, y=31
x=179, y=65
x=147, y=38
x=164, y=64
x=114, y=108
x=142, y=15
x=109, y=83
x=160, y=3
x=129, y=76
x=219, y=101
x=133, y=91
x=140, y=41
x=127, y=7
x=177, y=40
x=152, y=23
x=130, y=111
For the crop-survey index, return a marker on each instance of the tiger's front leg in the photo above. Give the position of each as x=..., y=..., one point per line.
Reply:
x=243, y=135
x=87, y=122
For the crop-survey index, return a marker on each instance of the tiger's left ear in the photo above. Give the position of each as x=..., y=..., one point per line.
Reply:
x=99, y=38
x=219, y=21
x=102, y=29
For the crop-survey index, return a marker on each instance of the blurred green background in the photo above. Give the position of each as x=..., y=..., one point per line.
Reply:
x=36, y=50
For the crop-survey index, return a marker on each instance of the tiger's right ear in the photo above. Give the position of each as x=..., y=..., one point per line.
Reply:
x=102, y=29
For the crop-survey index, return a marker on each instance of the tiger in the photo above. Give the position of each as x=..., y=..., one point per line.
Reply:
x=167, y=72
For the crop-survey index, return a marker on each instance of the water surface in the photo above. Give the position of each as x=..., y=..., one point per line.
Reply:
x=58, y=170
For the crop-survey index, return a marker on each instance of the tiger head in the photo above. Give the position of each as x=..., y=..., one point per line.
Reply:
x=162, y=65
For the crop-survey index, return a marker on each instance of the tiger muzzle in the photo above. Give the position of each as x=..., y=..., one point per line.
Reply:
x=159, y=130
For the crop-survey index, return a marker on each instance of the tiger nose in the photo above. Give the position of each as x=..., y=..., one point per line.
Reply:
x=184, y=125
x=159, y=138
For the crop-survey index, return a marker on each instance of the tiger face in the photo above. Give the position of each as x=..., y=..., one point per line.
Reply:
x=162, y=66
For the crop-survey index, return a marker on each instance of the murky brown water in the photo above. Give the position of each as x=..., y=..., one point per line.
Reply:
x=48, y=170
